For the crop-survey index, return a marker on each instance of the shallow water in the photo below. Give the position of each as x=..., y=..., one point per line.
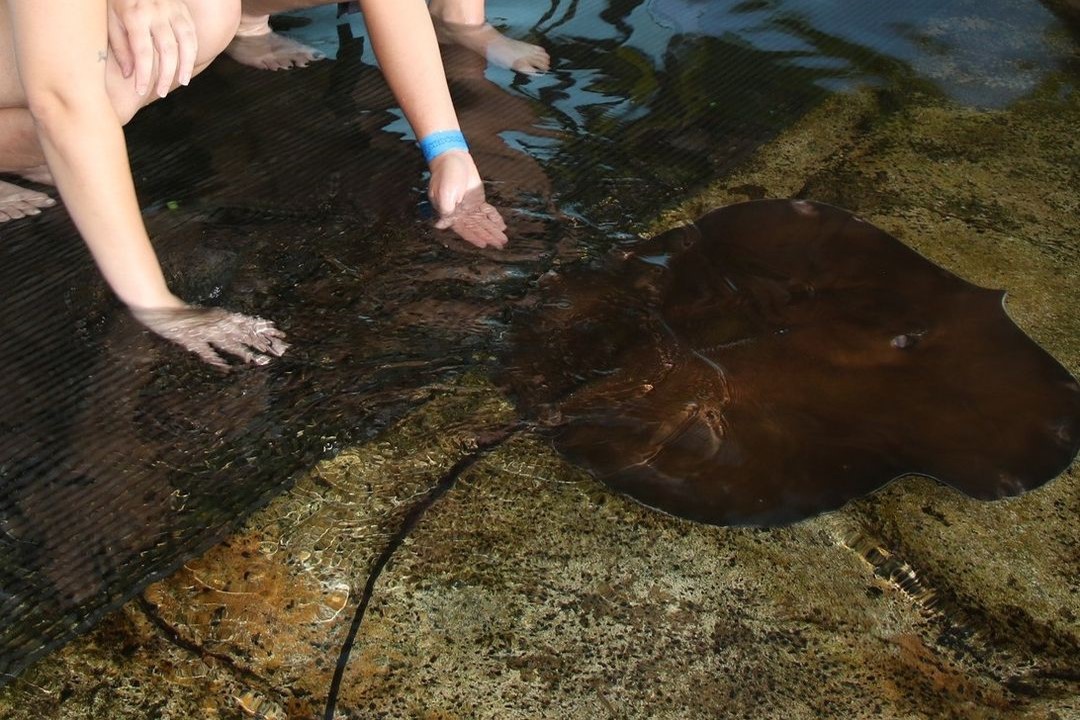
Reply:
x=300, y=197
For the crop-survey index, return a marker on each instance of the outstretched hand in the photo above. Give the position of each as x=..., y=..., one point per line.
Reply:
x=208, y=331
x=141, y=29
x=457, y=192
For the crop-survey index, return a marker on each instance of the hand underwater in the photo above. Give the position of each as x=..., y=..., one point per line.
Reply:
x=206, y=331
x=457, y=193
x=141, y=29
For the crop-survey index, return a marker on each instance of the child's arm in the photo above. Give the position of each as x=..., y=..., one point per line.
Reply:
x=61, y=55
x=403, y=38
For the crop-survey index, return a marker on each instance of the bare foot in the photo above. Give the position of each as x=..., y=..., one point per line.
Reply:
x=256, y=45
x=40, y=174
x=208, y=331
x=17, y=202
x=486, y=41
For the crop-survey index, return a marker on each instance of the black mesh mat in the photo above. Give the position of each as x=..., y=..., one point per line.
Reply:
x=295, y=196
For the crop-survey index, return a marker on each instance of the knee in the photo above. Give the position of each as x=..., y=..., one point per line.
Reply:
x=216, y=22
x=126, y=108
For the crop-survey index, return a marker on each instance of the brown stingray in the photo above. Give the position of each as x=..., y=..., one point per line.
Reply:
x=778, y=358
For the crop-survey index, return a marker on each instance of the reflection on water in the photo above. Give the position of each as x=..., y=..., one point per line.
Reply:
x=656, y=96
x=985, y=53
x=298, y=197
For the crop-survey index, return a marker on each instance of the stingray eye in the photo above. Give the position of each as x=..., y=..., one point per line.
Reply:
x=680, y=238
x=903, y=342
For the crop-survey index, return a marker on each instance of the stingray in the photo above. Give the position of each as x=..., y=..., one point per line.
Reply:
x=775, y=359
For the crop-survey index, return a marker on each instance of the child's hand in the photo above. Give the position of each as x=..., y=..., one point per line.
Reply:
x=139, y=29
x=206, y=331
x=457, y=192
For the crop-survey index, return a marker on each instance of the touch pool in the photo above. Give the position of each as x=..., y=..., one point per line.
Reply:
x=524, y=588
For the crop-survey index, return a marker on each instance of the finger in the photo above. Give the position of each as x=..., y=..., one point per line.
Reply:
x=278, y=346
x=274, y=333
x=445, y=222
x=272, y=340
x=469, y=232
x=258, y=334
x=188, y=46
x=482, y=227
x=165, y=44
x=257, y=341
x=493, y=237
x=265, y=328
x=496, y=239
x=208, y=355
x=142, y=48
x=120, y=46
x=235, y=347
x=494, y=234
x=270, y=345
x=493, y=216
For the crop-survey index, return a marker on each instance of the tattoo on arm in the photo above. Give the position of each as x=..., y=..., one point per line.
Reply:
x=102, y=56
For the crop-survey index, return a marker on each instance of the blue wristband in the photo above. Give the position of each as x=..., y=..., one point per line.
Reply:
x=442, y=141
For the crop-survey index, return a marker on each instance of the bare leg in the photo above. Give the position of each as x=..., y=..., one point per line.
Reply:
x=457, y=22
x=260, y=47
x=20, y=154
x=20, y=150
x=462, y=22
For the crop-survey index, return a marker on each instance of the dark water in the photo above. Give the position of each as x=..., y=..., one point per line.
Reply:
x=299, y=196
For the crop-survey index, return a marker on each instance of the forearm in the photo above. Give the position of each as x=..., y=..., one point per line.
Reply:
x=95, y=182
x=404, y=42
x=83, y=140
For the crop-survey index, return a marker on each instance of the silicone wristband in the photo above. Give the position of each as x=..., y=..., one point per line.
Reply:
x=442, y=141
